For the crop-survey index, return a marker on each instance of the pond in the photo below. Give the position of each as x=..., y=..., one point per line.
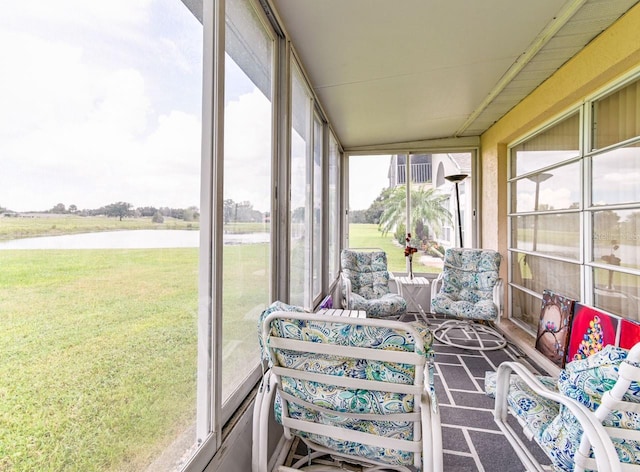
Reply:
x=134, y=239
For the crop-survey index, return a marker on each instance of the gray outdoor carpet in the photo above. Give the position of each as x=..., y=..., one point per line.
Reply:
x=471, y=440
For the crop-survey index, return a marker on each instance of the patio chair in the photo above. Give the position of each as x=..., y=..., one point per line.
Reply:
x=469, y=289
x=365, y=284
x=354, y=390
x=586, y=419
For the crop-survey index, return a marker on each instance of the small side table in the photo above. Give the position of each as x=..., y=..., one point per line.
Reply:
x=344, y=313
x=411, y=288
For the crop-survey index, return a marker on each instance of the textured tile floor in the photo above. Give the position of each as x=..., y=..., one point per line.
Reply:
x=471, y=439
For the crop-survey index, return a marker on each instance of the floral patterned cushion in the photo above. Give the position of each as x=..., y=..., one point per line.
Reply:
x=467, y=285
x=586, y=380
x=369, y=278
x=367, y=272
x=390, y=305
x=275, y=306
x=317, y=401
x=532, y=410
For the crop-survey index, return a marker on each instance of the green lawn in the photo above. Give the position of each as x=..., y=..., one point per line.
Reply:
x=367, y=235
x=98, y=347
x=98, y=351
x=98, y=354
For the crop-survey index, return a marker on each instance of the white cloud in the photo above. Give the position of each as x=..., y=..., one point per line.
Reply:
x=64, y=12
x=367, y=178
x=79, y=128
x=248, y=150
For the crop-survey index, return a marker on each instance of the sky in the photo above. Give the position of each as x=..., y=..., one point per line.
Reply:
x=368, y=176
x=99, y=102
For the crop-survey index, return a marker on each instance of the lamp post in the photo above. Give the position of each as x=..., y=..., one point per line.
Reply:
x=456, y=179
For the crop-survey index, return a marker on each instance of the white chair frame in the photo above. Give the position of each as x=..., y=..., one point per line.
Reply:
x=427, y=443
x=480, y=337
x=596, y=437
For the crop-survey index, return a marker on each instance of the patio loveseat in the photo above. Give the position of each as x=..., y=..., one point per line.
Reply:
x=598, y=396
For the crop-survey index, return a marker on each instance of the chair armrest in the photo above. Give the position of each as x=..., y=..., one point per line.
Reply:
x=346, y=290
x=498, y=297
x=435, y=288
x=605, y=454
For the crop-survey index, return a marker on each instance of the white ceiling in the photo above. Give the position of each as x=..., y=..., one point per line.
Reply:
x=411, y=70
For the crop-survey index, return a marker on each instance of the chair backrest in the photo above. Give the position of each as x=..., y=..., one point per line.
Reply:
x=351, y=387
x=367, y=271
x=617, y=408
x=470, y=274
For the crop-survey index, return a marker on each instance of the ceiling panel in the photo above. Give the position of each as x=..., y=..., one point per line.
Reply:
x=387, y=72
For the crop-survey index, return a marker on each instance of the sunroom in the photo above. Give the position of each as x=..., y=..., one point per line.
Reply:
x=275, y=131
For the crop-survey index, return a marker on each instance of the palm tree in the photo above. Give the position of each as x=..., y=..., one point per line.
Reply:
x=428, y=210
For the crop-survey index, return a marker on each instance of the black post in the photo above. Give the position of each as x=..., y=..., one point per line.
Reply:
x=459, y=220
x=456, y=179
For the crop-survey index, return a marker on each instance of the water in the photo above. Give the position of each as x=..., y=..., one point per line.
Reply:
x=134, y=239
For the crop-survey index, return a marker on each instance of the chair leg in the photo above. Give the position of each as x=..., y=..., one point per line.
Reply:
x=479, y=337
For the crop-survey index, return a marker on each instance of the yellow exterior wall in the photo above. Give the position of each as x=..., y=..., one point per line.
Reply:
x=612, y=54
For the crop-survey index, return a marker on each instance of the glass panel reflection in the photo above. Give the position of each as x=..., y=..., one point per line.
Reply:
x=615, y=177
x=316, y=262
x=558, y=189
x=554, y=235
x=429, y=213
x=526, y=308
x=300, y=197
x=247, y=223
x=554, y=145
x=616, y=292
x=616, y=238
x=616, y=116
x=538, y=273
x=334, y=209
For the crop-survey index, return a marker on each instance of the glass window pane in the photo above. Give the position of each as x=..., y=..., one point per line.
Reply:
x=617, y=293
x=615, y=237
x=429, y=215
x=556, y=189
x=615, y=176
x=247, y=191
x=376, y=210
x=317, y=206
x=301, y=169
x=526, y=308
x=538, y=273
x=617, y=116
x=100, y=132
x=555, y=235
x=334, y=208
x=554, y=145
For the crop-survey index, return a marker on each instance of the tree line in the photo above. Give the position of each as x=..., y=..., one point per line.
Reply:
x=122, y=210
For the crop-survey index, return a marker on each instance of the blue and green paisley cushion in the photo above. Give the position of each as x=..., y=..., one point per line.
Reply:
x=369, y=278
x=330, y=398
x=586, y=380
x=535, y=411
x=275, y=306
x=467, y=286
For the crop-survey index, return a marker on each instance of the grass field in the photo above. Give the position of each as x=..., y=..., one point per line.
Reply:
x=98, y=352
x=98, y=347
x=367, y=235
x=99, y=357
